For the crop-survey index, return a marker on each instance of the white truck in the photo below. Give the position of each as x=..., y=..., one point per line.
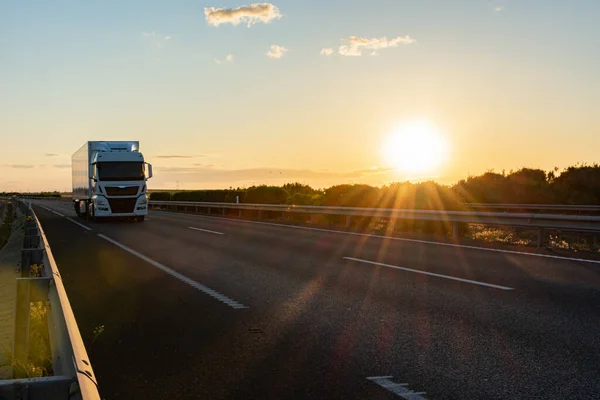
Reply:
x=109, y=180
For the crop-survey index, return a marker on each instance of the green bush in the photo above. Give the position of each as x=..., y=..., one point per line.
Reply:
x=303, y=199
x=160, y=196
x=266, y=195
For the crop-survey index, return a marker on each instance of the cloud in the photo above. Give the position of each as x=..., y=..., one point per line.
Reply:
x=157, y=39
x=180, y=156
x=356, y=45
x=20, y=166
x=276, y=51
x=226, y=60
x=250, y=15
x=498, y=9
x=62, y=165
x=326, y=52
x=369, y=172
x=50, y=154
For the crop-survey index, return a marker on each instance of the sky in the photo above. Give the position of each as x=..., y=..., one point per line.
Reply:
x=225, y=93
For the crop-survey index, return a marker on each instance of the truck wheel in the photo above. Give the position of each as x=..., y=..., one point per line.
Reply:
x=91, y=212
x=141, y=218
x=78, y=211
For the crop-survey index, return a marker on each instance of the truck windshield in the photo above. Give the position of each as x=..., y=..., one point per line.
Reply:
x=120, y=171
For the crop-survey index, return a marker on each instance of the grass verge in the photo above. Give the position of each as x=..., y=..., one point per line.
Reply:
x=6, y=227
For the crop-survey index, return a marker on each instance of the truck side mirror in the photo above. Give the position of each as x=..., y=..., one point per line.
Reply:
x=149, y=171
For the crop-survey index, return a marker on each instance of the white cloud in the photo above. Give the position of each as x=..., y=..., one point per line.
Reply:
x=250, y=15
x=326, y=52
x=356, y=45
x=498, y=9
x=276, y=51
x=226, y=60
x=157, y=39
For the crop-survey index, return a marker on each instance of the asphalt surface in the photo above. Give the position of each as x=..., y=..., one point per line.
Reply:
x=243, y=310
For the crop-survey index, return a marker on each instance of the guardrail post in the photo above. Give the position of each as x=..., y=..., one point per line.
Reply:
x=347, y=221
x=222, y=211
x=29, y=257
x=283, y=215
x=540, y=241
x=208, y=210
x=259, y=214
x=240, y=213
x=455, y=233
x=313, y=219
x=391, y=225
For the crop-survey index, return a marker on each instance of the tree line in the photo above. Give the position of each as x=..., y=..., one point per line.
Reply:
x=575, y=185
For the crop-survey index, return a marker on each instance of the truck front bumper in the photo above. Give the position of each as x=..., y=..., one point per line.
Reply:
x=105, y=212
x=121, y=207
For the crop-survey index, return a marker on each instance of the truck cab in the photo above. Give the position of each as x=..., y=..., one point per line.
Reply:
x=117, y=181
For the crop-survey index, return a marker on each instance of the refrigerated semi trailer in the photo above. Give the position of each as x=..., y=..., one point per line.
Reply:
x=109, y=180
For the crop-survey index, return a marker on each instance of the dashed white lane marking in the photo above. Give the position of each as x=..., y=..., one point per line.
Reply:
x=205, y=230
x=77, y=223
x=418, y=271
x=204, y=289
x=399, y=389
x=522, y=253
x=57, y=213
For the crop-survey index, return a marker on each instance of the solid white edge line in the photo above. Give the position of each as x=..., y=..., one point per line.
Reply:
x=81, y=225
x=418, y=271
x=196, y=285
x=392, y=238
x=205, y=230
x=399, y=389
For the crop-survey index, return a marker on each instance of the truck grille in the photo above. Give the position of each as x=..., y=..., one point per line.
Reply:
x=117, y=191
x=119, y=206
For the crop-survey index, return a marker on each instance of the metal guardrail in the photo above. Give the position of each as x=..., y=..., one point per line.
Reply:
x=576, y=223
x=536, y=207
x=73, y=374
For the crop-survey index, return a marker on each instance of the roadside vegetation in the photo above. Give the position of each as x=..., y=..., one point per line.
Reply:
x=575, y=185
x=39, y=361
x=6, y=227
x=38, y=194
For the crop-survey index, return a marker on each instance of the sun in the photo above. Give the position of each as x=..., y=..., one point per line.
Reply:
x=416, y=147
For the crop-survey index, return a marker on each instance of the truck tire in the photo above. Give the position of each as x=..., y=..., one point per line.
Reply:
x=91, y=214
x=141, y=218
x=78, y=210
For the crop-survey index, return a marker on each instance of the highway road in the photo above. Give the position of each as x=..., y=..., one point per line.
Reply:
x=193, y=307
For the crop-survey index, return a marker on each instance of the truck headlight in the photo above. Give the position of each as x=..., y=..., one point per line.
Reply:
x=143, y=201
x=101, y=201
